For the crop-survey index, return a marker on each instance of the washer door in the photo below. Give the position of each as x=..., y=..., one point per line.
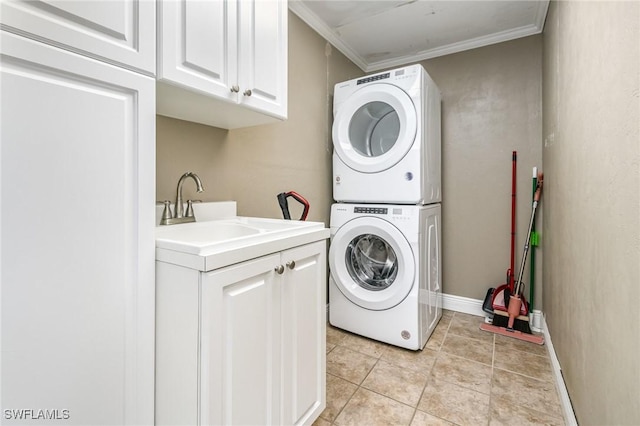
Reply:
x=372, y=263
x=374, y=128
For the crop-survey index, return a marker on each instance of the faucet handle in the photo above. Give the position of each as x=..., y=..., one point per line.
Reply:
x=166, y=213
x=189, y=212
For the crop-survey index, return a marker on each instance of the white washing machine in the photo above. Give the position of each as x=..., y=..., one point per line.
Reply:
x=386, y=138
x=385, y=269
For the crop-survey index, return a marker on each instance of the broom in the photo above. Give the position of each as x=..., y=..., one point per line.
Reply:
x=516, y=299
x=496, y=301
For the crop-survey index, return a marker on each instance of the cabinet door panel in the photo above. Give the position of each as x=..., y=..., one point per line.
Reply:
x=263, y=55
x=240, y=346
x=198, y=46
x=204, y=46
x=304, y=326
x=77, y=183
x=120, y=32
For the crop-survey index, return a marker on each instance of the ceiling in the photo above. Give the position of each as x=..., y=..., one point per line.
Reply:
x=382, y=34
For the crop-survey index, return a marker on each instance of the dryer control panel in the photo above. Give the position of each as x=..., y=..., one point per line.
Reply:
x=373, y=78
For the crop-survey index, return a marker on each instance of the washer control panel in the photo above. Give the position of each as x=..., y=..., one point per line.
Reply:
x=371, y=210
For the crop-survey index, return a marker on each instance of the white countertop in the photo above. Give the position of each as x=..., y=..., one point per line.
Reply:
x=214, y=242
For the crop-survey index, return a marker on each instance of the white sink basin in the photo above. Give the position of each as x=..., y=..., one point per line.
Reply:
x=203, y=233
x=215, y=236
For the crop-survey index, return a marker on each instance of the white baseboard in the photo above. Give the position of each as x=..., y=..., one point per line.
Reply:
x=565, y=401
x=462, y=304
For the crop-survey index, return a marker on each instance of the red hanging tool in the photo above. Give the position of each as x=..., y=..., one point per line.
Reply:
x=284, y=205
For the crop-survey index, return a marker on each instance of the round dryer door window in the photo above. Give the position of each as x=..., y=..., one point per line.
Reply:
x=374, y=128
x=372, y=263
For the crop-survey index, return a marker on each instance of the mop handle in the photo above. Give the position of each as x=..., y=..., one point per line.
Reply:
x=536, y=198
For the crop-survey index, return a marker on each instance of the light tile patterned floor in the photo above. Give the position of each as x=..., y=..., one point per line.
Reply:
x=464, y=376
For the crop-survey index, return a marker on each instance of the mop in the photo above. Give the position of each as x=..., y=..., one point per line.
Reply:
x=516, y=298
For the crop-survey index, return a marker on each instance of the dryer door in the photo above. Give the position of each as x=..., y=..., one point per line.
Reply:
x=374, y=128
x=372, y=263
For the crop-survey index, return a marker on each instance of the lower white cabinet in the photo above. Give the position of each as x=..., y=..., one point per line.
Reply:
x=244, y=344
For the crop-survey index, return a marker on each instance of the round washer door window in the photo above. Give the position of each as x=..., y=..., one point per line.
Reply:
x=372, y=263
x=374, y=128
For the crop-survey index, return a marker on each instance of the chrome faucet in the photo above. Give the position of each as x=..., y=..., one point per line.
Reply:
x=179, y=205
x=179, y=216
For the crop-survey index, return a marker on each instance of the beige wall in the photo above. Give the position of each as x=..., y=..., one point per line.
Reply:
x=592, y=205
x=491, y=106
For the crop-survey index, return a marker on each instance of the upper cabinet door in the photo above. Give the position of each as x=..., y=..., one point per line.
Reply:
x=119, y=32
x=198, y=46
x=263, y=55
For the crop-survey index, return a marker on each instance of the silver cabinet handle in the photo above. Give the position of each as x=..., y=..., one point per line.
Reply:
x=235, y=88
x=279, y=269
x=291, y=264
x=247, y=92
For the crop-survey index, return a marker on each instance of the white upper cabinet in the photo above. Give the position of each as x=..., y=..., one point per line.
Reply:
x=118, y=32
x=223, y=63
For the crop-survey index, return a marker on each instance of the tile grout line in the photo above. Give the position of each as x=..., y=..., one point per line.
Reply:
x=493, y=362
x=359, y=385
x=415, y=409
x=430, y=376
x=383, y=395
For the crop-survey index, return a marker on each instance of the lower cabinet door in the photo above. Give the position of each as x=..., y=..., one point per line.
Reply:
x=303, y=333
x=262, y=346
x=240, y=344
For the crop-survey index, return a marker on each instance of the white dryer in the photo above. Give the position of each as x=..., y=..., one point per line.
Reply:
x=386, y=138
x=385, y=271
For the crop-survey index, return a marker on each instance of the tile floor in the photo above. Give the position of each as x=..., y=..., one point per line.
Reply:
x=463, y=376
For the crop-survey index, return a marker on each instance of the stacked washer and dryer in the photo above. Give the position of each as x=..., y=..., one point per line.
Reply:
x=384, y=259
